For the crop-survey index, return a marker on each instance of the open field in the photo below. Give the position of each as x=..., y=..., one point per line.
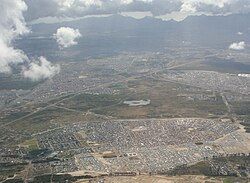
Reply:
x=83, y=121
x=166, y=179
x=167, y=100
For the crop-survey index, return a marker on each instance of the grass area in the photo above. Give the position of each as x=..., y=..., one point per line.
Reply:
x=15, y=81
x=218, y=65
x=68, y=111
x=241, y=108
x=246, y=122
x=13, y=116
x=165, y=102
x=235, y=179
x=85, y=102
x=27, y=109
x=37, y=152
x=52, y=118
x=10, y=171
x=60, y=178
x=237, y=164
x=32, y=144
x=118, y=86
x=236, y=159
x=201, y=168
x=168, y=100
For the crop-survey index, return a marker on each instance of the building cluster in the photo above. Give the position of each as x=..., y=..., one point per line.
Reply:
x=146, y=145
x=211, y=80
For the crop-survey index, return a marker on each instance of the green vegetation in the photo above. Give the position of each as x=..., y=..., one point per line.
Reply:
x=238, y=165
x=32, y=144
x=167, y=100
x=58, y=178
x=9, y=171
x=13, y=116
x=241, y=108
x=118, y=86
x=218, y=65
x=37, y=152
x=201, y=168
x=43, y=120
x=235, y=179
x=18, y=180
x=10, y=82
x=86, y=102
x=246, y=122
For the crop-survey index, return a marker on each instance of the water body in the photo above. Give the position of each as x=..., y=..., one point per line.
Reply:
x=134, y=103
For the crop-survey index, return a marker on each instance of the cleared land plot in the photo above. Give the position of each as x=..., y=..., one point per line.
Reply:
x=166, y=100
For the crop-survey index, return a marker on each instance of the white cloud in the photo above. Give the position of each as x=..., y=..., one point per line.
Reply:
x=12, y=25
x=41, y=70
x=65, y=3
x=137, y=15
x=188, y=7
x=179, y=16
x=216, y=7
x=205, y=5
x=9, y=56
x=89, y=3
x=76, y=8
x=238, y=46
x=66, y=36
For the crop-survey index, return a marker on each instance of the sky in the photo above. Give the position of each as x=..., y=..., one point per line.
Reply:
x=78, y=8
x=14, y=15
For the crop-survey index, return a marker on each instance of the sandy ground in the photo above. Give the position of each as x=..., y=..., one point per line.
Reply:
x=158, y=179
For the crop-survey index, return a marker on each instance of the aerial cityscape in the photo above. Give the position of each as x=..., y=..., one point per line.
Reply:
x=123, y=91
